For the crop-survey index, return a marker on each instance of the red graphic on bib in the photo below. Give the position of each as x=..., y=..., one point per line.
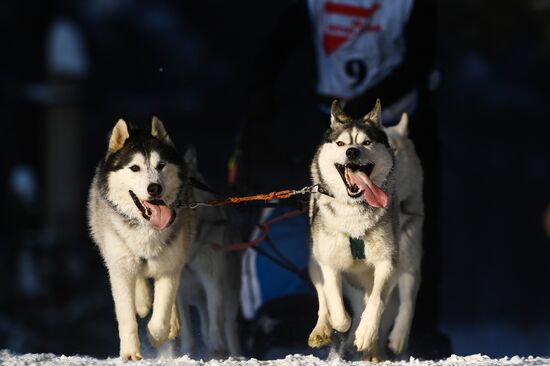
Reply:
x=346, y=21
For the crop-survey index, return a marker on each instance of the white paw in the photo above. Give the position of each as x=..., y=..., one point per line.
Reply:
x=320, y=336
x=366, y=337
x=342, y=324
x=131, y=356
x=397, y=341
x=157, y=333
x=143, y=298
x=129, y=350
x=142, y=310
x=372, y=358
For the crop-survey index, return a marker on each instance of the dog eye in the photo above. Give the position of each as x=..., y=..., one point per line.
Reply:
x=367, y=142
x=160, y=166
x=134, y=168
x=340, y=143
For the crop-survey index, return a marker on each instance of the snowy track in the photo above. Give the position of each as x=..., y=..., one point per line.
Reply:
x=47, y=359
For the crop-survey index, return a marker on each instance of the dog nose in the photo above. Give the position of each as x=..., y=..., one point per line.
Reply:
x=352, y=153
x=154, y=189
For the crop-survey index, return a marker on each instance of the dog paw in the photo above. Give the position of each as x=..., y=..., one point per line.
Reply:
x=371, y=358
x=320, y=336
x=130, y=352
x=397, y=341
x=157, y=334
x=218, y=354
x=341, y=325
x=131, y=356
x=188, y=348
x=143, y=298
x=174, y=323
x=365, y=338
x=142, y=310
x=129, y=348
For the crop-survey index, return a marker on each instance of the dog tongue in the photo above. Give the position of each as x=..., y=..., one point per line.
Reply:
x=372, y=193
x=161, y=215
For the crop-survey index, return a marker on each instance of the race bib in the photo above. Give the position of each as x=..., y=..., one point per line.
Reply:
x=358, y=43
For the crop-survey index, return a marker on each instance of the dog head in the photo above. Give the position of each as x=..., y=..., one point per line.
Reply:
x=355, y=161
x=143, y=174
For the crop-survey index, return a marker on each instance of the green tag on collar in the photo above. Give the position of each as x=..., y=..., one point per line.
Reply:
x=357, y=247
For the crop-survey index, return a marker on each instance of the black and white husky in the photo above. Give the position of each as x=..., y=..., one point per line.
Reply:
x=140, y=231
x=366, y=230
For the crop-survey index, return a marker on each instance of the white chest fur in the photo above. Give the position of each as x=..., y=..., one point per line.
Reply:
x=338, y=222
x=142, y=241
x=352, y=220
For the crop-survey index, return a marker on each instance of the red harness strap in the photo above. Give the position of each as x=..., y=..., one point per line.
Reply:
x=264, y=230
x=257, y=197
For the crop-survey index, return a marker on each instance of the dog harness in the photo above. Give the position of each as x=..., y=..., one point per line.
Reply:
x=357, y=248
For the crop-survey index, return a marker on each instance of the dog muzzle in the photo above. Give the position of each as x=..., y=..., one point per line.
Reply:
x=159, y=215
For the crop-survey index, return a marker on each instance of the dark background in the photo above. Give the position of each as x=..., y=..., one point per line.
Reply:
x=189, y=63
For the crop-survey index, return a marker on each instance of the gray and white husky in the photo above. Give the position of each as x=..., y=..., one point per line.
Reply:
x=366, y=230
x=211, y=279
x=141, y=233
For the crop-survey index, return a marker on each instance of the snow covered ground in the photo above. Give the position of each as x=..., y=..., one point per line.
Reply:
x=8, y=358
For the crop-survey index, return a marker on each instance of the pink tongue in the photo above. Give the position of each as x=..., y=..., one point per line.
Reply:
x=372, y=193
x=160, y=215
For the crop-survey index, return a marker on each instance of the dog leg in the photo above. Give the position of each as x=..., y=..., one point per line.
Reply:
x=366, y=336
x=188, y=346
x=211, y=282
x=203, y=316
x=143, y=297
x=175, y=322
x=332, y=286
x=408, y=285
x=231, y=326
x=123, y=285
x=232, y=335
x=320, y=335
x=163, y=303
x=215, y=343
x=357, y=302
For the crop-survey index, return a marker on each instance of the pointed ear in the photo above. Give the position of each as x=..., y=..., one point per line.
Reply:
x=158, y=131
x=403, y=126
x=337, y=115
x=190, y=157
x=375, y=115
x=119, y=136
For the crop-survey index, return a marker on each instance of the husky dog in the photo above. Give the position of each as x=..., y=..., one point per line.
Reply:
x=409, y=181
x=211, y=279
x=356, y=232
x=141, y=233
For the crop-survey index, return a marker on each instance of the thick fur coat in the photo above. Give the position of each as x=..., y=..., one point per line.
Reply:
x=363, y=168
x=140, y=231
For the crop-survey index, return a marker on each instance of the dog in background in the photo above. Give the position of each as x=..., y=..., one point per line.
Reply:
x=211, y=280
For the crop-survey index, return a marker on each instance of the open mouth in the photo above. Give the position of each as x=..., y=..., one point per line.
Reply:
x=154, y=211
x=346, y=172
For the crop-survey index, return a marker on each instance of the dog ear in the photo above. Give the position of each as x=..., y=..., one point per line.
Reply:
x=119, y=135
x=190, y=157
x=337, y=115
x=158, y=131
x=403, y=126
x=375, y=115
